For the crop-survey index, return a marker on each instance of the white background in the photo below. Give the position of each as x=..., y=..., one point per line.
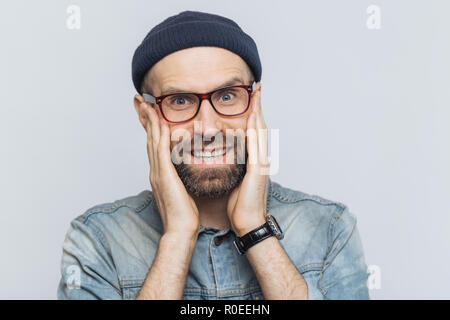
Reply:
x=362, y=116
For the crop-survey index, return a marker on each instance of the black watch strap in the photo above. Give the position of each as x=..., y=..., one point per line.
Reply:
x=251, y=238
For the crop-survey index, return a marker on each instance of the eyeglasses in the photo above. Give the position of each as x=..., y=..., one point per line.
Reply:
x=183, y=106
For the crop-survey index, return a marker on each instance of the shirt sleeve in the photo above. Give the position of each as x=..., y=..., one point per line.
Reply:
x=344, y=275
x=87, y=269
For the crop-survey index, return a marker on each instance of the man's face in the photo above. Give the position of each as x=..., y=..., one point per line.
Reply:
x=201, y=70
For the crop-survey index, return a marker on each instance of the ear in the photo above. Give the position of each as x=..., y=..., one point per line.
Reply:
x=139, y=105
x=258, y=86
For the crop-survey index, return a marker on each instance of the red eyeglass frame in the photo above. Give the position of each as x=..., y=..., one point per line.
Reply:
x=202, y=96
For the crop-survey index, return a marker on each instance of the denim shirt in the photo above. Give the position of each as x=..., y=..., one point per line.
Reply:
x=109, y=250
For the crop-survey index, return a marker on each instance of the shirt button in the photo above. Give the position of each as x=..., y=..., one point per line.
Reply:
x=218, y=240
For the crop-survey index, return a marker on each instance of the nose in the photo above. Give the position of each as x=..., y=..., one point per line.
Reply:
x=210, y=121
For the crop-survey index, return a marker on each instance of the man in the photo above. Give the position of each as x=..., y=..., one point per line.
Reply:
x=211, y=228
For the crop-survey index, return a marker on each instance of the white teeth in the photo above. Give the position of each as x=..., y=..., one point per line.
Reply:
x=208, y=154
x=217, y=153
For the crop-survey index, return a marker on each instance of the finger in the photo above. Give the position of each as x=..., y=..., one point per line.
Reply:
x=252, y=142
x=156, y=131
x=258, y=110
x=150, y=149
x=153, y=133
x=262, y=132
x=164, y=144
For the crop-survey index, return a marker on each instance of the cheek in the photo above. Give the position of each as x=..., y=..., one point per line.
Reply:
x=239, y=126
x=240, y=123
x=180, y=133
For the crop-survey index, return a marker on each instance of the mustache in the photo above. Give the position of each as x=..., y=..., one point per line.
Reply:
x=233, y=138
x=185, y=144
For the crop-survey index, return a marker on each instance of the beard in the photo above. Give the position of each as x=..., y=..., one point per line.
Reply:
x=213, y=182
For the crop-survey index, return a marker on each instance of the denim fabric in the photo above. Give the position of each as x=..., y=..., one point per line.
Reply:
x=109, y=250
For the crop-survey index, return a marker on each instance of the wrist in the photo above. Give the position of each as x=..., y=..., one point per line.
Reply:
x=242, y=229
x=246, y=239
x=179, y=237
x=183, y=232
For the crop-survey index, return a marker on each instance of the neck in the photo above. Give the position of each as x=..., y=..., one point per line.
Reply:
x=213, y=212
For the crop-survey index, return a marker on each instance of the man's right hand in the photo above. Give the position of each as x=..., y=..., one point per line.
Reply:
x=179, y=213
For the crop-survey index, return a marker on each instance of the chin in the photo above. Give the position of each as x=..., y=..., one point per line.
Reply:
x=213, y=182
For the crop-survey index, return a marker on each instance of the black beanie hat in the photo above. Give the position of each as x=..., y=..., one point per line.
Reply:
x=190, y=29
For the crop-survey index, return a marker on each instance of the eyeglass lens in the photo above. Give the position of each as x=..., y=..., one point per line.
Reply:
x=183, y=106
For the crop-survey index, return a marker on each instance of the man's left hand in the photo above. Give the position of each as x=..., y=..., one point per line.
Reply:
x=247, y=203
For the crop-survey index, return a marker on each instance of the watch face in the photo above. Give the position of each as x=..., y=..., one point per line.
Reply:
x=275, y=227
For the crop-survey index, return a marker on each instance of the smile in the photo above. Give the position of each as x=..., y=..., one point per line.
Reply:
x=214, y=157
x=209, y=155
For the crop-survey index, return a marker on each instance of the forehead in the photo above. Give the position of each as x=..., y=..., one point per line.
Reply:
x=197, y=69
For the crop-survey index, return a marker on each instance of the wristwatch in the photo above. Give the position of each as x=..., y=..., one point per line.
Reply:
x=268, y=229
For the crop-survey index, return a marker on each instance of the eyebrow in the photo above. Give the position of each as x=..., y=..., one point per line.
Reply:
x=172, y=89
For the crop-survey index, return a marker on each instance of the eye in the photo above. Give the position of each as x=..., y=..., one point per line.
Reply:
x=226, y=96
x=181, y=100
x=178, y=100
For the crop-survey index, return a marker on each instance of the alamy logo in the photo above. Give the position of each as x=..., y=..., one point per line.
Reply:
x=232, y=139
x=374, y=280
x=73, y=277
x=73, y=21
x=374, y=19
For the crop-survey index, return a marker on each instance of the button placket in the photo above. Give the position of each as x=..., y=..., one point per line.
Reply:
x=219, y=239
x=225, y=266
